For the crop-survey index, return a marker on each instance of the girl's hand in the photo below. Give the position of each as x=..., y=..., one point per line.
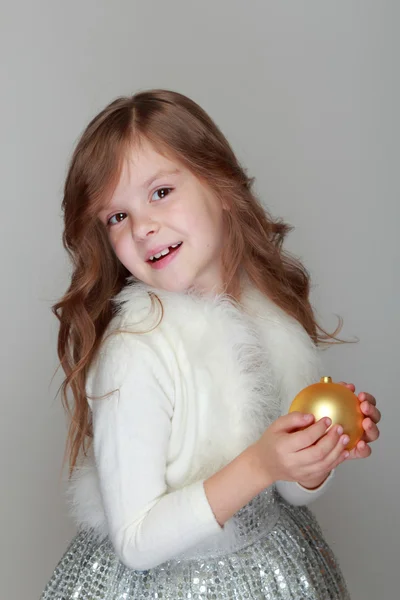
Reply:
x=371, y=431
x=295, y=448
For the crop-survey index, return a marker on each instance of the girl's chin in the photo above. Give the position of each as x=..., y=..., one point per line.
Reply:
x=168, y=284
x=176, y=288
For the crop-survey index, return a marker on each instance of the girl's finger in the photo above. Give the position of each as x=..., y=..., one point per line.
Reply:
x=371, y=411
x=372, y=432
x=343, y=456
x=351, y=386
x=329, y=449
x=362, y=450
x=308, y=436
x=362, y=396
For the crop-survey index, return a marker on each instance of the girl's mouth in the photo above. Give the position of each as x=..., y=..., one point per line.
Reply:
x=161, y=259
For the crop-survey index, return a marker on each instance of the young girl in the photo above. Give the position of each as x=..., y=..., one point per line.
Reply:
x=185, y=334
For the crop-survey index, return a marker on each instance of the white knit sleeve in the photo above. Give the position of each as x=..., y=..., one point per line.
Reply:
x=296, y=494
x=131, y=430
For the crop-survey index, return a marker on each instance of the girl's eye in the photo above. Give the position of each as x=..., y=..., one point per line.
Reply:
x=118, y=217
x=162, y=193
x=115, y=219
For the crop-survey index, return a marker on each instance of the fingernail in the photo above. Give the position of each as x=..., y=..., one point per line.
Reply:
x=307, y=417
x=340, y=430
x=327, y=421
x=345, y=440
x=346, y=454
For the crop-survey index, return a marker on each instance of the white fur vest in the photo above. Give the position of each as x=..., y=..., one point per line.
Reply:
x=230, y=372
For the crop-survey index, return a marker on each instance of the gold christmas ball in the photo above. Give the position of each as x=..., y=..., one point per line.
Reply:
x=333, y=400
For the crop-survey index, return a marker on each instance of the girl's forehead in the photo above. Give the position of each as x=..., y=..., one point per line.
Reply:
x=141, y=168
x=143, y=164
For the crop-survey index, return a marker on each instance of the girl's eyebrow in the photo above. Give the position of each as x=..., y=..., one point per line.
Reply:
x=147, y=184
x=160, y=173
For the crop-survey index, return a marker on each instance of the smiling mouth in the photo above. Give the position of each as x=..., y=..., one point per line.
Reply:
x=160, y=255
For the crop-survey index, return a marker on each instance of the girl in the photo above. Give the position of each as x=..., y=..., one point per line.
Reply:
x=184, y=335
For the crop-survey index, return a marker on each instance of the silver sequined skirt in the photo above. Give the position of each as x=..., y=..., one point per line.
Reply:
x=284, y=557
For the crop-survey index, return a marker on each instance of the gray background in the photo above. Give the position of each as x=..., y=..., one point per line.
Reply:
x=308, y=94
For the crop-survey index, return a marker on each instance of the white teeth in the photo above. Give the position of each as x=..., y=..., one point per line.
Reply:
x=164, y=252
x=160, y=254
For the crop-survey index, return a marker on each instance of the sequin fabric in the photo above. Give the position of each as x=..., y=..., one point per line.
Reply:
x=281, y=555
x=248, y=525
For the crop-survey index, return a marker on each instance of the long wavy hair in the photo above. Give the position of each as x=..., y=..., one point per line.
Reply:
x=179, y=128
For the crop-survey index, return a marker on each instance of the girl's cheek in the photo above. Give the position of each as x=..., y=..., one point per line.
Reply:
x=119, y=244
x=120, y=237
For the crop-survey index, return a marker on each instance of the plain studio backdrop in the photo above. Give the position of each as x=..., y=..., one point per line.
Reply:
x=308, y=95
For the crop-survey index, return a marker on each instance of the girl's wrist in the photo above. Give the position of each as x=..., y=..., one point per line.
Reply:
x=313, y=484
x=257, y=465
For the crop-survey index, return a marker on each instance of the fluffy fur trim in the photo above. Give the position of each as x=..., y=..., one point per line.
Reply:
x=256, y=360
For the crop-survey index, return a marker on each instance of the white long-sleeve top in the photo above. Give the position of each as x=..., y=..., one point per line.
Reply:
x=179, y=401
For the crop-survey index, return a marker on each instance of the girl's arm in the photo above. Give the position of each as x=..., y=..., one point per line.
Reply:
x=132, y=426
x=131, y=429
x=241, y=480
x=235, y=485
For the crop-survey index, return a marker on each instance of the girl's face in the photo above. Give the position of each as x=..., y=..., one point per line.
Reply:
x=165, y=225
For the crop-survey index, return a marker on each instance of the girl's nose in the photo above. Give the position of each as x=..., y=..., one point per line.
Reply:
x=143, y=227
